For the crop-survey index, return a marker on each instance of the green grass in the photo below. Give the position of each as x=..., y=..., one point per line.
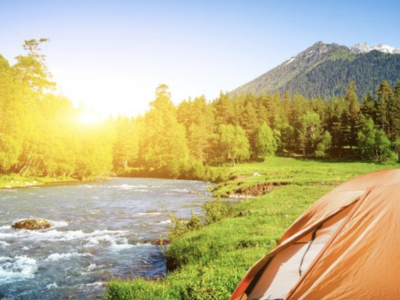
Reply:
x=211, y=261
x=297, y=171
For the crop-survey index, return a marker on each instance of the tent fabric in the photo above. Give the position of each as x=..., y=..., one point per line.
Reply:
x=286, y=267
x=358, y=259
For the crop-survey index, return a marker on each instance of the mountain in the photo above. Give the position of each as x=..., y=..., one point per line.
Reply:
x=326, y=69
x=365, y=48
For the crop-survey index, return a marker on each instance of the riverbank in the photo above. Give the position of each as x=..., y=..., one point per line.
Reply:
x=14, y=181
x=212, y=260
x=194, y=172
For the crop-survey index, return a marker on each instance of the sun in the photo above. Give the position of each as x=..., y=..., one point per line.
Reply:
x=88, y=118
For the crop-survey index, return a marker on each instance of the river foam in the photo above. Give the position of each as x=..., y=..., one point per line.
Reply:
x=3, y=244
x=51, y=286
x=69, y=255
x=54, y=235
x=148, y=213
x=165, y=222
x=17, y=268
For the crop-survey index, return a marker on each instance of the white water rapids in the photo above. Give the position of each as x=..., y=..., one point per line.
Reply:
x=100, y=231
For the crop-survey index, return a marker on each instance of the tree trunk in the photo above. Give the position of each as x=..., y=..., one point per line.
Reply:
x=26, y=171
x=20, y=171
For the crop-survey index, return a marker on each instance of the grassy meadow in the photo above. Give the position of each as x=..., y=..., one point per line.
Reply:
x=212, y=260
x=297, y=171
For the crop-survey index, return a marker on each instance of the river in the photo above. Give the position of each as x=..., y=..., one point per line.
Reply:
x=100, y=232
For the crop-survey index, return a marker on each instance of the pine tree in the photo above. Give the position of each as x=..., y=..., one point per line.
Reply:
x=287, y=107
x=250, y=123
x=336, y=126
x=367, y=107
x=397, y=90
x=394, y=114
x=165, y=146
x=224, y=112
x=324, y=145
x=308, y=131
x=352, y=101
x=384, y=94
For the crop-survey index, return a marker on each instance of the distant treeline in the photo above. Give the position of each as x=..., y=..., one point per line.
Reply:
x=40, y=135
x=249, y=127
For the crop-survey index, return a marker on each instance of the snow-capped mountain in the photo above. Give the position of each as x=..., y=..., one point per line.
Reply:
x=365, y=48
x=326, y=70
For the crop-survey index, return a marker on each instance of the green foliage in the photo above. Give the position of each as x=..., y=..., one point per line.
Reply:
x=194, y=223
x=31, y=69
x=308, y=131
x=39, y=132
x=352, y=101
x=396, y=146
x=180, y=226
x=374, y=143
x=125, y=148
x=324, y=145
x=265, y=141
x=192, y=169
x=216, y=210
x=164, y=143
x=234, y=143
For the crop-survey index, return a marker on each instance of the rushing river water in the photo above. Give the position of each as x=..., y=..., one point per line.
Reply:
x=100, y=232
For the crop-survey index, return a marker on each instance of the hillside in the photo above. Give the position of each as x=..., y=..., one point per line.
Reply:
x=326, y=69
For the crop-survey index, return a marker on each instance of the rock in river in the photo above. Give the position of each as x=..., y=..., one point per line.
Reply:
x=160, y=242
x=32, y=224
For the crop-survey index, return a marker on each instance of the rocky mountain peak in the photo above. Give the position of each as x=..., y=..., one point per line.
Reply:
x=326, y=69
x=365, y=48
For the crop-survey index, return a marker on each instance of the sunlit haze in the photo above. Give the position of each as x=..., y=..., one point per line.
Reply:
x=111, y=55
x=88, y=118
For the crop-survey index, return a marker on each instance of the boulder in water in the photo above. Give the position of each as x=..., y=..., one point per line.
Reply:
x=32, y=224
x=160, y=242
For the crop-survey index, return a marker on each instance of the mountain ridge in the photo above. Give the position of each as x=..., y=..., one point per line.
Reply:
x=366, y=48
x=326, y=69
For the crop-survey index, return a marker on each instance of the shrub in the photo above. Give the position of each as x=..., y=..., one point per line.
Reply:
x=194, y=223
x=180, y=226
x=216, y=210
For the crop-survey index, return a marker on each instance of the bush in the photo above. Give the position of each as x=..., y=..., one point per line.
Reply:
x=216, y=175
x=194, y=223
x=216, y=210
x=180, y=226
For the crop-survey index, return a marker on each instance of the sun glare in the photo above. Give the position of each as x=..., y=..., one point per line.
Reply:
x=87, y=118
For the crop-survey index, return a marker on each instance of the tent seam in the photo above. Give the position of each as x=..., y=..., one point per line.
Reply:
x=270, y=257
x=361, y=200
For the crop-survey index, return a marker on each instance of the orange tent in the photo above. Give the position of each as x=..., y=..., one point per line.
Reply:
x=345, y=246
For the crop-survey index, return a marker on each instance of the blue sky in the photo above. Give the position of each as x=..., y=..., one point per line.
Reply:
x=113, y=54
